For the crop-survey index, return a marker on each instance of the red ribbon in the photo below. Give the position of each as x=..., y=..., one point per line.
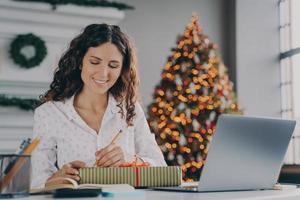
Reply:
x=137, y=177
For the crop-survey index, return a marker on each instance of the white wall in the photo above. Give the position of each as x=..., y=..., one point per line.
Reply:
x=257, y=56
x=154, y=25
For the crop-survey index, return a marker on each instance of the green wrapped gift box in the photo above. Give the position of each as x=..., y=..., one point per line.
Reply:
x=135, y=176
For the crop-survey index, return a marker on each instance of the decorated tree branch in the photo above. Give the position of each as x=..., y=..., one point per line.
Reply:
x=89, y=3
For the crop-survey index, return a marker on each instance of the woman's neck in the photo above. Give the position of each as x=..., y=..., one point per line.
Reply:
x=90, y=101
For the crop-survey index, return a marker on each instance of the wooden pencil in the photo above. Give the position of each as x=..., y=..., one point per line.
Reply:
x=114, y=140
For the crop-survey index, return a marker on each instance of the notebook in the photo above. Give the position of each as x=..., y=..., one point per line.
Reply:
x=72, y=184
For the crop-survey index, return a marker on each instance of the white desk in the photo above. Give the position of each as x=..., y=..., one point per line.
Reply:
x=162, y=195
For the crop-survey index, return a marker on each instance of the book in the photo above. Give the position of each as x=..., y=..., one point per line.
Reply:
x=69, y=183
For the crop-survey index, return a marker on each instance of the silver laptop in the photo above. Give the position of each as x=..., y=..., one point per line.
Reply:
x=246, y=153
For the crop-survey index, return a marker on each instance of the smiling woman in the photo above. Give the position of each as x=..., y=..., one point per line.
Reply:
x=92, y=97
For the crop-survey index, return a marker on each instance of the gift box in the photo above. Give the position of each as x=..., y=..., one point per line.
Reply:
x=135, y=176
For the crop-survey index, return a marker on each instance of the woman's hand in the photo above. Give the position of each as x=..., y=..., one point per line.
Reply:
x=69, y=170
x=110, y=156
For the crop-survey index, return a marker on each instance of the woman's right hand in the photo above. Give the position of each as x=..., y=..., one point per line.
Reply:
x=69, y=170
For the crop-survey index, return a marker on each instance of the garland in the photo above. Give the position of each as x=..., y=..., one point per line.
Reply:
x=24, y=104
x=90, y=3
x=22, y=41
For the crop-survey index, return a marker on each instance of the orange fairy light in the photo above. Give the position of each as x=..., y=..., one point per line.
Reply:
x=210, y=107
x=177, y=55
x=170, y=76
x=182, y=98
x=177, y=119
x=161, y=92
x=154, y=109
x=162, y=124
x=191, y=55
x=161, y=104
x=195, y=79
x=179, y=87
x=162, y=117
x=168, y=145
x=203, y=131
x=163, y=136
x=195, y=71
x=176, y=67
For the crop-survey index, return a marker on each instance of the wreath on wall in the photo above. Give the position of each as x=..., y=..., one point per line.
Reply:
x=24, y=104
x=28, y=40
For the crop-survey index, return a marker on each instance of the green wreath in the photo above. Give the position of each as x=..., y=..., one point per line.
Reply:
x=22, y=41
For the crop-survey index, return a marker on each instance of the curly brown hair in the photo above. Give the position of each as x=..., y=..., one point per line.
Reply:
x=67, y=77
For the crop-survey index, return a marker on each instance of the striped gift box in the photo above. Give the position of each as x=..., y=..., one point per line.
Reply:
x=135, y=176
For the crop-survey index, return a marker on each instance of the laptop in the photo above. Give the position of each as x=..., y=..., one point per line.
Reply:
x=246, y=153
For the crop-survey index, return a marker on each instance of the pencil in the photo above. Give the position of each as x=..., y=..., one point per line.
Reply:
x=32, y=146
x=113, y=141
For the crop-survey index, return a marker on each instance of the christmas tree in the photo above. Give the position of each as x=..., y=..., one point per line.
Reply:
x=195, y=89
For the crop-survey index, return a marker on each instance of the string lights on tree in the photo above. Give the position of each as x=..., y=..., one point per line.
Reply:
x=194, y=90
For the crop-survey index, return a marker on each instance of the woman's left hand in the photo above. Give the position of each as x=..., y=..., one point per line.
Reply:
x=110, y=156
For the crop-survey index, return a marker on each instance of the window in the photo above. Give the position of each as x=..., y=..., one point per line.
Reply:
x=290, y=71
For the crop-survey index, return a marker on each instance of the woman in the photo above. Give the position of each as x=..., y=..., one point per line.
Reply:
x=92, y=98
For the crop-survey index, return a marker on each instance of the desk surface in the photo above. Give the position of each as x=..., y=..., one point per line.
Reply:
x=292, y=194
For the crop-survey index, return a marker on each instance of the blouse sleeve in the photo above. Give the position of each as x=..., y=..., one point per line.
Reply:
x=44, y=157
x=145, y=144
